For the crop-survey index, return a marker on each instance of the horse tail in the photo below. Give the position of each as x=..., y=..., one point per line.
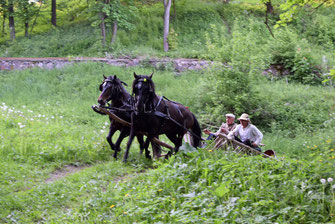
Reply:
x=196, y=132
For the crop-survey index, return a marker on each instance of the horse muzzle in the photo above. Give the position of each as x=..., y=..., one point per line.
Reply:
x=101, y=102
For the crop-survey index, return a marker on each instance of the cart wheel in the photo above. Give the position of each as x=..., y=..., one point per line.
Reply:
x=270, y=152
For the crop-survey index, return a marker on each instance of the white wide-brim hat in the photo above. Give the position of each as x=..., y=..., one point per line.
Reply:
x=244, y=117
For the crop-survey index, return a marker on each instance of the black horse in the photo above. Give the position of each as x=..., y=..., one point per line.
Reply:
x=112, y=89
x=155, y=116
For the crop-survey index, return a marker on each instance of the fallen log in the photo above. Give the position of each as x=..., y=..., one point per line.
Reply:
x=125, y=123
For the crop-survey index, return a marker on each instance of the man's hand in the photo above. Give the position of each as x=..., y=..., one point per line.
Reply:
x=206, y=131
x=224, y=130
x=254, y=144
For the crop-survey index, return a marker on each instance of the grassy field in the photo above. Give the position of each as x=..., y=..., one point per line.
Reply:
x=47, y=127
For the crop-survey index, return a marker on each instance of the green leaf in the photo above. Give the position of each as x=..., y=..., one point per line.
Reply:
x=221, y=191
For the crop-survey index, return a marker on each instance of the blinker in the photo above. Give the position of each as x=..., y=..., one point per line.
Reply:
x=144, y=79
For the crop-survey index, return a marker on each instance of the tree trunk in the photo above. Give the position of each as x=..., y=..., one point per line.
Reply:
x=11, y=19
x=53, y=13
x=38, y=13
x=167, y=7
x=26, y=22
x=174, y=10
x=269, y=7
x=26, y=28
x=114, y=31
x=3, y=24
x=103, y=29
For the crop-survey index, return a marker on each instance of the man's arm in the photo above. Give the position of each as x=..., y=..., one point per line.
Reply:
x=257, y=134
x=221, y=129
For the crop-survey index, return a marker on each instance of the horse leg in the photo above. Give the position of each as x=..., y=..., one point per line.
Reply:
x=146, y=146
x=179, y=142
x=131, y=138
x=141, y=142
x=142, y=146
x=173, y=138
x=123, y=133
x=111, y=132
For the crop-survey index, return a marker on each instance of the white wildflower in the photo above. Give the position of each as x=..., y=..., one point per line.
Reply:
x=323, y=181
x=303, y=185
x=330, y=179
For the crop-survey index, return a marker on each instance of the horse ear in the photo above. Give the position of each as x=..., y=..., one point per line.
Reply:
x=124, y=83
x=114, y=77
x=151, y=75
x=135, y=76
x=104, y=77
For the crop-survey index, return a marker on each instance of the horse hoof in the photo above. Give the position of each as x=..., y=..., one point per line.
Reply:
x=148, y=157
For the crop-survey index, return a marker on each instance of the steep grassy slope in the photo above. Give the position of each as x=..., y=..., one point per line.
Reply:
x=46, y=123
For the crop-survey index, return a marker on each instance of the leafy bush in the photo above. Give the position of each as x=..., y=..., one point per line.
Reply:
x=295, y=55
x=294, y=107
x=228, y=91
x=317, y=27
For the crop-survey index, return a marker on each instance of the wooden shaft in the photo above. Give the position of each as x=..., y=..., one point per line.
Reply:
x=125, y=123
x=243, y=145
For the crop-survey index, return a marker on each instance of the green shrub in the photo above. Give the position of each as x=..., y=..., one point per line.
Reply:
x=229, y=91
x=294, y=107
x=294, y=53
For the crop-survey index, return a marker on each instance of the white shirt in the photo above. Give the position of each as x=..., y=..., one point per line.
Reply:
x=249, y=132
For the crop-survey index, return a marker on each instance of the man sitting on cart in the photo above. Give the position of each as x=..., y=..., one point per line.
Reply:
x=224, y=129
x=247, y=133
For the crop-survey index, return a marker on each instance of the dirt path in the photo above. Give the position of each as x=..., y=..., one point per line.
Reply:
x=65, y=171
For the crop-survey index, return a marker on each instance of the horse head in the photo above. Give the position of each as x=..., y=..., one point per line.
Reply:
x=144, y=92
x=110, y=88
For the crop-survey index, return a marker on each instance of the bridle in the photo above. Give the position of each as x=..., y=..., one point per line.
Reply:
x=117, y=89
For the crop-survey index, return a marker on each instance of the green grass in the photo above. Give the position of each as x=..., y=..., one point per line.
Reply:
x=46, y=123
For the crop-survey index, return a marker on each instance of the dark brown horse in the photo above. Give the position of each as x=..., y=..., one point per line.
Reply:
x=155, y=116
x=112, y=89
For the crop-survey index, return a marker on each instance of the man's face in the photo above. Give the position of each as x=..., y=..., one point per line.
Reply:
x=244, y=123
x=230, y=120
